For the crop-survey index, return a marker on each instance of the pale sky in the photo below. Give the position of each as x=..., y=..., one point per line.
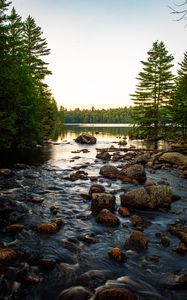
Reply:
x=97, y=45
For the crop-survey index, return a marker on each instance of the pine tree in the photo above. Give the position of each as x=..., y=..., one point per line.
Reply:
x=153, y=91
x=35, y=48
x=179, y=98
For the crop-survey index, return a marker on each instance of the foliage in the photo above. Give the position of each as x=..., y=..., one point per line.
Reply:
x=179, y=98
x=28, y=111
x=112, y=115
x=153, y=92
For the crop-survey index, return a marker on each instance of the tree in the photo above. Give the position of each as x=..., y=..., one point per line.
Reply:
x=179, y=98
x=35, y=47
x=153, y=91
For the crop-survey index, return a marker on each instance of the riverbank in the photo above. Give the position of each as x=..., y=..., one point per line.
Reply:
x=51, y=240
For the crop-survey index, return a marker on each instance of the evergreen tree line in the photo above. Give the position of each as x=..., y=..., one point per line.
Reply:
x=28, y=111
x=161, y=98
x=112, y=115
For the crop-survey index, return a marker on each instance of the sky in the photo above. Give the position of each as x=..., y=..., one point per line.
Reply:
x=97, y=45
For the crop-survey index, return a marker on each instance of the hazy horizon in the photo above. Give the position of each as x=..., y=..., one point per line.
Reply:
x=96, y=46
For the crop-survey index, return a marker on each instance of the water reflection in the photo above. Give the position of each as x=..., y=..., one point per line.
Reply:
x=64, y=144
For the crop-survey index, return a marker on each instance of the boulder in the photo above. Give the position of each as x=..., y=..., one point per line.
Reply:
x=135, y=172
x=86, y=138
x=137, y=241
x=151, y=197
x=142, y=158
x=137, y=220
x=103, y=155
x=173, y=158
x=114, y=293
x=102, y=200
x=109, y=171
x=96, y=188
x=107, y=218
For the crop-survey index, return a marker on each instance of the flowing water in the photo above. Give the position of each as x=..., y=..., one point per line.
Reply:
x=80, y=246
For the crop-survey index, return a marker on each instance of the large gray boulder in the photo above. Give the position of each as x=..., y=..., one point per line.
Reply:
x=150, y=197
x=135, y=172
x=86, y=138
x=173, y=158
x=109, y=171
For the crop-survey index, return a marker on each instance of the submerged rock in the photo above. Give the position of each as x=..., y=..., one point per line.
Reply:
x=137, y=241
x=47, y=228
x=86, y=138
x=7, y=255
x=117, y=255
x=94, y=278
x=107, y=218
x=14, y=228
x=102, y=200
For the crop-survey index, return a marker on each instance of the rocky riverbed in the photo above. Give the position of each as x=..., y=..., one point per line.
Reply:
x=107, y=227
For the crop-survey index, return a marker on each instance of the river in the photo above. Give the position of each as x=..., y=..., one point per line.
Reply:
x=40, y=192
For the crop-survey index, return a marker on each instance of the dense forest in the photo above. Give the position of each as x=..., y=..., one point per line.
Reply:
x=112, y=115
x=28, y=111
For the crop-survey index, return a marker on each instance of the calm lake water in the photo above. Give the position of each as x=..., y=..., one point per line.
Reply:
x=105, y=134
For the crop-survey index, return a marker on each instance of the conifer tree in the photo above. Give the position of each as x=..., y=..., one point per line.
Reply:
x=153, y=91
x=179, y=98
x=35, y=48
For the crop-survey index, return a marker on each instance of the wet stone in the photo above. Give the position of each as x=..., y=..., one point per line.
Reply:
x=102, y=200
x=47, y=263
x=137, y=241
x=137, y=220
x=165, y=241
x=114, y=293
x=107, y=218
x=75, y=293
x=47, y=228
x=14, y=228
x=7, y=255
x=181, y=248
x=117, y=255
x=124, y=212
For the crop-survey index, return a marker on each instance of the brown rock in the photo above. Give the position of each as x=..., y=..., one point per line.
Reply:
x=7, y=255
x=181, y=248
x=103, y=155
x=114, y=293
x=124, y=212
x=117, y=255
x=135, y=198
x=75, y=293
x=135, y=172
x=184, y=174
x=137, y=241
x=14, y=228
x=107, y=218
x=96, y=188
x=137, y=220
x=47, y=228
x=180, y=232
x=109, y=171
x=102, y=200
x=47, y=263
x=165, y=241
